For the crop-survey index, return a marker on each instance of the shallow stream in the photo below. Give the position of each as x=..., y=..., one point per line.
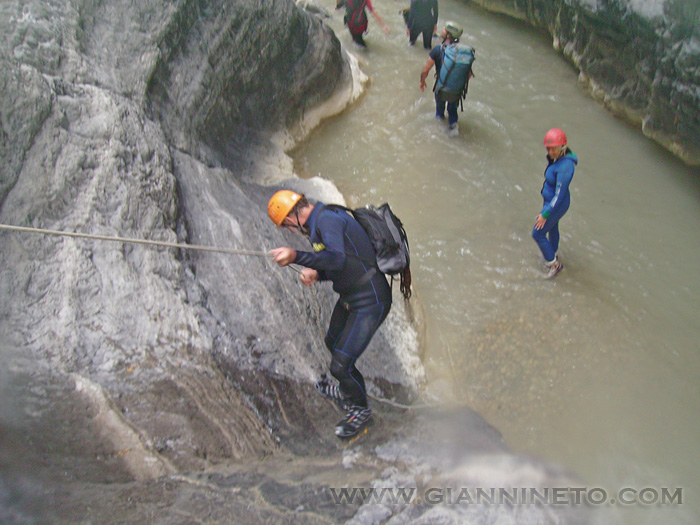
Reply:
x=598, y=370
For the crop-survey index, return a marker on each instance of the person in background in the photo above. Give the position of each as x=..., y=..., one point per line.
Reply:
x=342, y=254
x=356, y=18
x=422, y=18
x=452, y=61
x=561, y=162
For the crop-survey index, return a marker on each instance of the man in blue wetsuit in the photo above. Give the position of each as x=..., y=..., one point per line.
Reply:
x=561, y=162
x=342, y=253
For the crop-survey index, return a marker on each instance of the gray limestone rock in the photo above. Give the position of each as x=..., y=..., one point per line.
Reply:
x=131, y=120
x=130, y=373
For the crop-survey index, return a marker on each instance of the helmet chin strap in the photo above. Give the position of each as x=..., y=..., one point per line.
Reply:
x=304, y=230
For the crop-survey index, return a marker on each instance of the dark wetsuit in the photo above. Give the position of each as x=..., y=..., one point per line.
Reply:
x=422, y=18
x=344, y=254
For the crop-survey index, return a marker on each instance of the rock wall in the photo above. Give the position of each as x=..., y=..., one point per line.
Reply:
x=130, y=374
x=153, y=120
x=640, y=58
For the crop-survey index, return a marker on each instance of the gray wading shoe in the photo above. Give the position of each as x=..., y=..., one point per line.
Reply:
x=553, y=268
x=331, y=391
x=356, y=418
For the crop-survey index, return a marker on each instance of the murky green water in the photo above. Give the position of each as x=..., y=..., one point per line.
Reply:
x=598, y=370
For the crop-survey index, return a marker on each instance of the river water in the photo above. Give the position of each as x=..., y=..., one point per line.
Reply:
x=597, y=370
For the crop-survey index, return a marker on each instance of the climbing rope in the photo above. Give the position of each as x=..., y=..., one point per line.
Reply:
x=185, y=246
x=135, y=241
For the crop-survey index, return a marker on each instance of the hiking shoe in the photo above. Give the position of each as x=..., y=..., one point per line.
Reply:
x=332, y=392
x=454, y=130
x=553, y=268
x=353, y=422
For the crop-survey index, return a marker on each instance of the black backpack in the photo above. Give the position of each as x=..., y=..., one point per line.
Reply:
x=389, y=239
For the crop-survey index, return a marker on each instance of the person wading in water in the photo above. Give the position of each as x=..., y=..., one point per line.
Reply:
x=561, y=162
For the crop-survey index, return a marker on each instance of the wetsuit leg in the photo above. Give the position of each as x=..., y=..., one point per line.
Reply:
x=452, y=112
x=348, y=335
x=439, y=108
x=413, y=34
x=359, y=40
x=553, y=237
x=427, y=37
x=339, y=318
x=548, y=237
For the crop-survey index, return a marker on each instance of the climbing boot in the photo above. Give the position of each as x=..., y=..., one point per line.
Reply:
x=332, y=391
x=356, y=418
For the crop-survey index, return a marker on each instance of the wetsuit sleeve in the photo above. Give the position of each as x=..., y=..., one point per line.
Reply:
x=435, y=13
x=565, y=172
x=436, y=55
x=331, y=229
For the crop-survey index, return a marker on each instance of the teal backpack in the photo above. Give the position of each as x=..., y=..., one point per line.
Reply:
x=453, y=78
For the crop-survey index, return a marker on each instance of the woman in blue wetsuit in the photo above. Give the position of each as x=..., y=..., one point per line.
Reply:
x=344, y=255
x=555, y=193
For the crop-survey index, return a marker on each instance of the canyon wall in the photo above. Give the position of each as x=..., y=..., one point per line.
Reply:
x=640, y=58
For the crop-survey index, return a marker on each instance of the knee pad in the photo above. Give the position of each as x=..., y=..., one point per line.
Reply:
x=340, y=366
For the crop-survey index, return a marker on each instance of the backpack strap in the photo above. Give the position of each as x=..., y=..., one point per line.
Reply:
x=339, y=207
x=449, y=71
x=367, y=276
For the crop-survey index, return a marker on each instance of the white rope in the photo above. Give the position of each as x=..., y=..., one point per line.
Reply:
x=401, y=405
x=135, y=241
x=190, y=247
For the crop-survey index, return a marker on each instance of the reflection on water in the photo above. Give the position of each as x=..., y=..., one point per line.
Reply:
x=598, y=370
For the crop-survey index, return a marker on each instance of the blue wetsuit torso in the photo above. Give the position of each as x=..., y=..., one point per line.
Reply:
x=557, y=177
x=343, y=254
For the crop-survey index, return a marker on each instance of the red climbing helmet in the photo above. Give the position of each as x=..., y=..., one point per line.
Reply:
x=554, y=137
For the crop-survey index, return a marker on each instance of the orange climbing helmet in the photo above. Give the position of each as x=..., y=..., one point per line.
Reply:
x=281, y=204
x=554, y=137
